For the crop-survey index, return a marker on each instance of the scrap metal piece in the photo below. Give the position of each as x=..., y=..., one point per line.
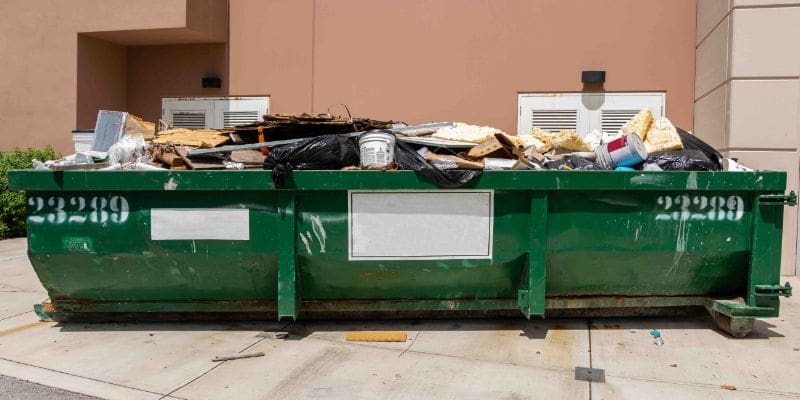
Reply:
x=590, y=374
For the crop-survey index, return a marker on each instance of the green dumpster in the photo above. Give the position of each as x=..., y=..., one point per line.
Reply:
x=109, y=244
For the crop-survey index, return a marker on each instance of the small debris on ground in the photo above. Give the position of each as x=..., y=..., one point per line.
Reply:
x=657, y=340
x=237, y=356
x=728, y=387
x=273, y=335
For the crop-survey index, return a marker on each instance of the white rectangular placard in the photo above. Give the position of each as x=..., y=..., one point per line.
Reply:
x=420, y=225
x=199, y=224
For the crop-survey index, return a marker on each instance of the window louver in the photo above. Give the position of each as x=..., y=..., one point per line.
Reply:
x=234, y=118
x=554, y=120
x=612, y=120
x=188, y=120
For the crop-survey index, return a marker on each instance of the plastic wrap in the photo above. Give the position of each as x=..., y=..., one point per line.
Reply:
x=693, y=142
x=574, y=163
x=682, y=160
x=407, y=158
x=321, y=152
x=129, y=149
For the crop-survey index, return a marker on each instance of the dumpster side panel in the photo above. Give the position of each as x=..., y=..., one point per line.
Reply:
x=648, y=243
x=329, y=275
x=97, y=246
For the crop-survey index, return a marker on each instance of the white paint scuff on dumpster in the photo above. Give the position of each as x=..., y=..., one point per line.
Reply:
x=319, y=232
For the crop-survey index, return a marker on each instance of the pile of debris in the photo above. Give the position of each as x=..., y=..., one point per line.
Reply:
x=643, y=143
x=448, y=153
x=123, y=141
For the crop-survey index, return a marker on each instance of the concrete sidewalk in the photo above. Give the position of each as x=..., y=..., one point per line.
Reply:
x=444, y=359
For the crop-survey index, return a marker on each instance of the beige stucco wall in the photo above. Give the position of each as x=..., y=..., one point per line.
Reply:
x=747, y=90
x=102, y=75
x=39, y=52
x=155, y=72
x=420, y=60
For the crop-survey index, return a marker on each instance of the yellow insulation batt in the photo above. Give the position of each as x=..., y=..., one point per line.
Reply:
x=662, y=136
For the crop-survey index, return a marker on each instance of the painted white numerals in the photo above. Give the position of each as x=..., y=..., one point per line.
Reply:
x=78, y=210
x=713, y=208
x=118, y=206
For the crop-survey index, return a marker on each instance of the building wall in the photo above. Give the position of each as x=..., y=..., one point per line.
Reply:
x=420, y=60
x=747, y=90
x=155, y=72
x=39, y=52
x=102, y=75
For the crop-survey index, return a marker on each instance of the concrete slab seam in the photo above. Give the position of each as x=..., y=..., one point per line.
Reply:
x=15, y=315
x=354, y=344
x=217, y=365
x=80, y=376
x=414, y=340
x=706, y=385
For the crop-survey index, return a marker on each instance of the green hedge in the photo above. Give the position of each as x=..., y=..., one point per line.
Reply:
x=12, y=202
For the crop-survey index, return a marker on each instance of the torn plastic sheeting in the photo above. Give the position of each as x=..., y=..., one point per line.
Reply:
x=682, y=160
x=321, y=152
x=407, y=158
x=693, y=142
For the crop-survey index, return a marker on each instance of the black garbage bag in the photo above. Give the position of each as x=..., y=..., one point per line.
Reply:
x=693, y=142
x=573, y=163
x=682, y=160
x=406, y=158
x=321, y=152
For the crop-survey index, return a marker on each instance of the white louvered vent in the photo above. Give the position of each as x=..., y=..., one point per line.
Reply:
x=234, y=118
x=614, y=119
x=182, y=119
x=554, y=120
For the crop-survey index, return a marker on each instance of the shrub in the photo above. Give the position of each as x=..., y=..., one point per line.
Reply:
x=12, y=202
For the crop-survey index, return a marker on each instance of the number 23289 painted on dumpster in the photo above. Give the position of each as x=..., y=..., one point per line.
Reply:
x=58, y=210
x=713, y=208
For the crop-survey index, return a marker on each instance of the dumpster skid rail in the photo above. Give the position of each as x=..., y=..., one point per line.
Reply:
x=111, y=244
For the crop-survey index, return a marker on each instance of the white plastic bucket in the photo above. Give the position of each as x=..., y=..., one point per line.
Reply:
x=82, y=140
x=377, y=149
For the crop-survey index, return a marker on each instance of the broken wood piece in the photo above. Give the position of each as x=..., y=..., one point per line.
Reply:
x=193, y=137
x=376, y=336
x=171, y=159
x=248, y=157
x=237, y=356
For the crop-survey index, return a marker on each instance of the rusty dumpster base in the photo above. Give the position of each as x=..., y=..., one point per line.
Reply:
x=731, y=315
